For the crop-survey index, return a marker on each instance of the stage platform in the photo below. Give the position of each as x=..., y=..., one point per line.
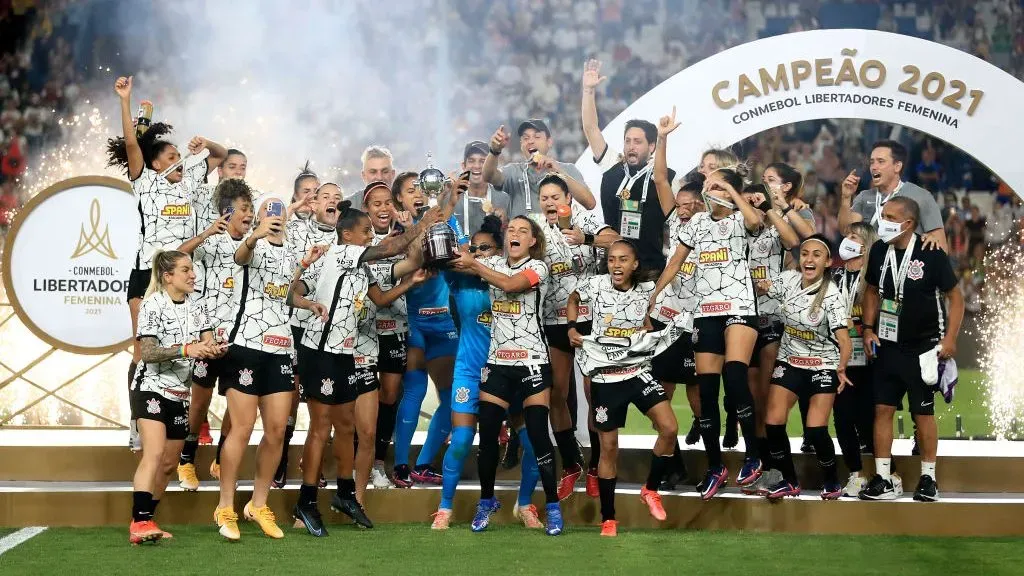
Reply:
x=81, y=478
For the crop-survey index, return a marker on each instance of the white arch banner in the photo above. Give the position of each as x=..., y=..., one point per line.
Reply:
x=837, y=74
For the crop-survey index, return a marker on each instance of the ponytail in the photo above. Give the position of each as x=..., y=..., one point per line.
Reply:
x=163, y=263
x=150, y=143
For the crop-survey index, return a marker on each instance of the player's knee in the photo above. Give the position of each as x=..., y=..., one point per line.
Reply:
x=668, y=429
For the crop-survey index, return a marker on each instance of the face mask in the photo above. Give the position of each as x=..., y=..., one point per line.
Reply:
x=889, y=231
x=848, y=249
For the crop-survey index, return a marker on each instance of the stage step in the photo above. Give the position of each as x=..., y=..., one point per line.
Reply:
x=92, y=504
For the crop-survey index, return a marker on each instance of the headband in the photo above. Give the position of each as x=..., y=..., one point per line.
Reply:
x=373, y=186
x=828, y=249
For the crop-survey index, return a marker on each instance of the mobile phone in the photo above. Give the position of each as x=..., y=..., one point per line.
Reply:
x=229, y=211
x=464, y=176
x=275, y=209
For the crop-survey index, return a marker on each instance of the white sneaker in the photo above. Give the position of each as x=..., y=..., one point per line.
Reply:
x=134, y=440
x=379, y=478
x=897, y=485
x=855, y=484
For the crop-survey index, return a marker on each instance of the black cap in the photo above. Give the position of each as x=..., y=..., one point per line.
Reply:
x=535, y=123
x=475, y=147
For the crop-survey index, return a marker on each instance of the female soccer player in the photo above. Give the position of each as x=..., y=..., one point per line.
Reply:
x=724, y=328
x=214, y=250
x=812, y=361
x=517, y=361
x=619, y=308
x=473, y=304
x=433, y=342
x=303, y=194
x=854, y=407
x=173, y=330
x=164, y=191
x=569, y=257
x=339, y=283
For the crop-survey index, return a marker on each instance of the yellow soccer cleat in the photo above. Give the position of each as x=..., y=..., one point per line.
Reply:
x=441, y=519
x=227, y=520
x=187, y=478
x=264, y=517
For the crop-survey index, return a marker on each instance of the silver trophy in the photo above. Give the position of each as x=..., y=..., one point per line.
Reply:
x=439, y=243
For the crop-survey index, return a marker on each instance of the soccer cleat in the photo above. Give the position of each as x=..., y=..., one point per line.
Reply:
x=854, y=485
x=352, y=509
x=165, y=535
x=915, y=450
x=280, y=478
x=187, y=478
x=134, y=440
x=426, y=475
x=610, y=528
x=264, y=518
x=227, y=520
x=750, y=472
x=441, y=519
x=554, y=520
x=714, y=480
x=215, y=470
x=731, y=438
x=693, y=436
x=878, y=489
x=144, y=531
x=308, y=517
x=401, y=476
x=205, y=439
x=379, y=477
x=484, y=510
x=570, y=476
x=927, y=489
x=782, y=489
x=806, y=447
x=653, y=501
x=593, y=489
x=323, y=481
x=527, y=515
x=760, y=486
x=831, y=490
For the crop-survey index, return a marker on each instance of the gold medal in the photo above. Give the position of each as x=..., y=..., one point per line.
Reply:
x=487, y=206
x=358, y=302
x=607, y=318
x=624, y=194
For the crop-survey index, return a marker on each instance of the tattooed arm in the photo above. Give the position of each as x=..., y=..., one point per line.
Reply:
x=393, y=245
x=154, y=354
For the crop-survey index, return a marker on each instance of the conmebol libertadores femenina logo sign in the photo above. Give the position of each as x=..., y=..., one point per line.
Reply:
x=67, y=260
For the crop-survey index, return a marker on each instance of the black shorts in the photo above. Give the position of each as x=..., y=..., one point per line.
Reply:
x=392, y=353
x=205, y=373
x=898, y=373
x=297, y=332
x=803, y=382
x=172, y=413
x=584, y=327
x=610, y=400
x=513, y=384
x=675, y=364
x=769, y=331
x=138, y=282
x=255, y=372
x=709, y=332
x=366, y=379
x=327, y=378
x=558, y=336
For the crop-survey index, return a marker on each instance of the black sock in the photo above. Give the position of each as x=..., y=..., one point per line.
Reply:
x=142, y=506
x=825, y=451
x=385, y=429
x=282, y=466
x=347, y=488
x=734, y=375
x=568, y=449
x=606, y=486
x=307, y=495
x=710, y=420
x=659, y=466
x=152, y=508
x=188, y=452
x=679, y=466
x=537, y=429
x=782, y=455
x=491, y=417
x=767, y=462
x=220, y=446
x=595, y=449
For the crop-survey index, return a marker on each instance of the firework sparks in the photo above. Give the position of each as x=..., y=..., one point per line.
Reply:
x=1002, y=332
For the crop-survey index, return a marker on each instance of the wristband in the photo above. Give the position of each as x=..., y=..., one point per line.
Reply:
x=303, y=265
x=571, y=324
x=786, y=210
x=493, y=151
x=184, y=350
x=588, y=239
x=869, y=327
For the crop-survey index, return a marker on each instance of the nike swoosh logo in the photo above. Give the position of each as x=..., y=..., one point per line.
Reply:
x=925, y=405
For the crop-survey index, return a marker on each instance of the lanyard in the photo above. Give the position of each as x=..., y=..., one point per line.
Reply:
x=526, y=186
x=477, y=199
x=849, y=288
x=899, y=275
x=879, y=202
x=628, y=181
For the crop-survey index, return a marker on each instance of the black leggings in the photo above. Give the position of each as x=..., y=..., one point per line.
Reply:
x=854, y=412
x=491, y=416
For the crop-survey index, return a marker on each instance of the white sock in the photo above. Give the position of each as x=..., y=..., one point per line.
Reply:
x=928, y=469
x=854, y=476
x=883, y=467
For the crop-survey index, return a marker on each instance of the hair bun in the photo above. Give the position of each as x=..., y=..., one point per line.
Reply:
x=742, y=170
x=491, y=224
x=344, y=207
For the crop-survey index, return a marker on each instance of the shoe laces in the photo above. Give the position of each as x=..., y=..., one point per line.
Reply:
x=265, y=514
x=652, y=496
x=225, y=515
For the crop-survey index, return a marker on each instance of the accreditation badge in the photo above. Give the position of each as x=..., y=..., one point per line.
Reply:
x=629, y=224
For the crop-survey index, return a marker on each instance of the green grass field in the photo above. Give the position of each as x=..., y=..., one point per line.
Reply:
x=398, y=549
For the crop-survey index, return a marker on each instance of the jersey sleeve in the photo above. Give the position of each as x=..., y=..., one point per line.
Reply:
x=195, y=175
x=780, y=285
x=835, y=308
x=945, y=277
x=860, y=203
x=348, y=256
x=536, y=271
x=371, y=277
x=608, y=160
x=490, y=261
x=205, y=325
x=587, y=221
x=460, y=234
x=687, y=235
x=149, y=319
x=931, y=214
x=258, y=254
x=586, y=289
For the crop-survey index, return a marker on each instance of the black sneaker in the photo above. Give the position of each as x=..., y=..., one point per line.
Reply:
x=915, y=451
x=281, y=476
x=352, y=509
x=878, y=489
x=671, y=481
x=806, y=447
x=732, y=436
x=510, y=459
x=927, y=490
x=309, y=516
x=694, y=434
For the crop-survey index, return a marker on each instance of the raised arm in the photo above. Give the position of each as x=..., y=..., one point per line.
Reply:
x=123, y=88
x=383, y=298
x=220, y=225
x=491, y=172
x=268, y=225
x=789, y=237
x=515, y=284
x=591, y=79
x=665, y=196
x=751, y=216
x=217, y=152
x=675, y=263
x=393, y=245
x=580, y=192
x=846, y=214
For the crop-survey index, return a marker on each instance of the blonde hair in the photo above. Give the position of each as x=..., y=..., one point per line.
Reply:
x=868, y=234
x=723, y=156
x=163, y=263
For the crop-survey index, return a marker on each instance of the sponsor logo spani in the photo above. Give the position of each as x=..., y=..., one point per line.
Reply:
x=712, y=307
x=803, y=361
x=484, y=318
x=714, y=256
x=561, y=268
x=507, y=307
x=619, y=332
x=688, y=268
x=801, y=334
x=229, y=282
x=759, y=273
x=512, y=354
x=276, y=290
x=279, y=341
x=176, y=210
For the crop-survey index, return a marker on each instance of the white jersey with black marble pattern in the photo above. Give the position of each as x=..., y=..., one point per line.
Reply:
x=766, y=258
x=217, y=255
x=808, y=339
x=261, y=315
x=679, y=296
x=166, y=210
x=340, y=282
x=393, y=319
x=517, y=336
x=171, y=324
x=301, y=235
x=617, y=314
x=567, y=265
x=722, y=280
